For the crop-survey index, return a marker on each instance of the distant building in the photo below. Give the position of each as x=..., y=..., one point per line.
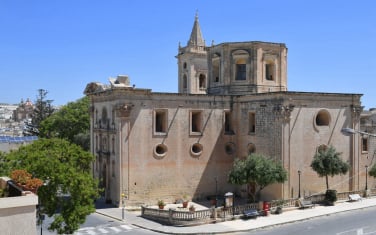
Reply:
x=24, y=111
x=232, y=101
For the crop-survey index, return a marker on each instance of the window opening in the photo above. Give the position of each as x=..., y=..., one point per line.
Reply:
x=269, y=70
x=202, y=81
x=252, y=122
x=322, y=118
x=185, y=81
x=228, y=123
x=161, y=121
x=196, y=124
x=364, y=144
x=241, y=71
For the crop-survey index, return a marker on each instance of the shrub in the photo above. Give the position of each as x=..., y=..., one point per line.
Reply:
x=34, y=183
x=331, y=195
x=20, y=176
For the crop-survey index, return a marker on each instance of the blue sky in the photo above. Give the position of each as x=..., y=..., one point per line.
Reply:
x=60, y=46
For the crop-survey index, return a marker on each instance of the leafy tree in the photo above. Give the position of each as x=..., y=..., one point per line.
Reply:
x=372, y=171
x=70, y=122
x=327, y=162
x=257, y=169
x=69, y=186
x=43, y=109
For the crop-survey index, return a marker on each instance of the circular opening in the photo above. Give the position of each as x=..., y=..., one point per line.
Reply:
x=251, y=148
x=196, y=149
x=230, y=148
x=160, y=150
x=322, y=118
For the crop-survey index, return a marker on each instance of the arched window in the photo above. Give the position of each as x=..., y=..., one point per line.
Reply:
x=185, y=82
x=269, y=71
x=216, y=67
x=202, y=81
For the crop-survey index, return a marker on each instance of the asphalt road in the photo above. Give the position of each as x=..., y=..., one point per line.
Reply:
x=97, y=224
x=357, y=222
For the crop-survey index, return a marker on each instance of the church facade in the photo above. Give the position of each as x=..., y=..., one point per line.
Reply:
x=232, y=101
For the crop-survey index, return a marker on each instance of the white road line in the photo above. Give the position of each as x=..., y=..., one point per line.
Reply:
x=115, y=229
x=126, y=227
x=102, y=230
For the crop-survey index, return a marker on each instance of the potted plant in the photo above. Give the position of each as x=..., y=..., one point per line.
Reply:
x=185, y=201
x=20, y=176
x=33, y=184
x=192, y=208
x=161, y=204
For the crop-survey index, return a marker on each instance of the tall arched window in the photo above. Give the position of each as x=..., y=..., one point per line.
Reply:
x=202, y=81
x=185, y=82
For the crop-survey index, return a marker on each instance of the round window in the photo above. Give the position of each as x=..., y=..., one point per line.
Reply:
x=230, y=148
x=251, y=148
x=196, y=149
x=322, y=118
x=160, y=150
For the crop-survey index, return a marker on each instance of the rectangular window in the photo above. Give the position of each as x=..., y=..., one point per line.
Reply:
x=196, y=122
x=160, y=121
x=269, y=70
x=252, y=123
x=364, y=144
x=241, y=72
x=228, y=123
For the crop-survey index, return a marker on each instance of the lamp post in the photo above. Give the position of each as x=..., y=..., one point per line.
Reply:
x=350, y=131
x=299, y=172
x=366, y=178
x=216, y=192
x=123, y=205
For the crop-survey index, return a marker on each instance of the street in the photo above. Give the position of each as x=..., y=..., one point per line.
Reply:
x=356, y=222
x=97, y=224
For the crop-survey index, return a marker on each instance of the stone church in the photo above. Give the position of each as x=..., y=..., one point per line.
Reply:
x=232, y=100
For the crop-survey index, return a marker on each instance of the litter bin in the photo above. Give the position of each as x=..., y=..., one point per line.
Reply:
x=266, y=208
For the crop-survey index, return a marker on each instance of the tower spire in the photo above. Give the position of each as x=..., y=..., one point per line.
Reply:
x=196, y=38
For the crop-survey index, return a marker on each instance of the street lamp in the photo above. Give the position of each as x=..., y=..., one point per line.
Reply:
x=216, y=192
x=366, y=177
x=123, y=205
x=350, y=131
x=299, y=172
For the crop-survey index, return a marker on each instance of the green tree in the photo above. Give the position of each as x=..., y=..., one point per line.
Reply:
x=70, y=122
x=372, y=171
x=42, y=109
x=69, y=186
x=257, y=169
x=327, y=162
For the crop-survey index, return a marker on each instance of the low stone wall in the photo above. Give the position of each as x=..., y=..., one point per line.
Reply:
x=174, y=217
x=219, y=214
x=17, y=213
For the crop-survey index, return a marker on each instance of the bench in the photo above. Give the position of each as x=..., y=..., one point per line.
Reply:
x=250, y=213
x=355, y=197
x=305, y=204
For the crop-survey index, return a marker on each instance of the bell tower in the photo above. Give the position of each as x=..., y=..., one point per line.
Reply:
x=192, y=63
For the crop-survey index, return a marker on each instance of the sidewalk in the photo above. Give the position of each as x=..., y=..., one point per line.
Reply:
x=134, y=218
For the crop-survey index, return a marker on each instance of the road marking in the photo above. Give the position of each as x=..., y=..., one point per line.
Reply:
x=115, y=229
x=126, y=227
x=102, y=230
